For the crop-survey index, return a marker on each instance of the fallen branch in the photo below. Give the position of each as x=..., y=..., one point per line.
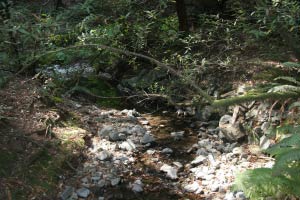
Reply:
x=128, y=53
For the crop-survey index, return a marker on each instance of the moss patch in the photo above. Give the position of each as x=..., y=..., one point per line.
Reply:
x=101, y=88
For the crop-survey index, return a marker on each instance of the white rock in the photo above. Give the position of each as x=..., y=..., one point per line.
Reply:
x=264, y=142
x=103, y=155
x=194, y=187
x=127, y=145
x=199, y=159
x=171, y=171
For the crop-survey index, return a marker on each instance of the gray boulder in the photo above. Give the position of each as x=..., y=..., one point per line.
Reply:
x=231, y=131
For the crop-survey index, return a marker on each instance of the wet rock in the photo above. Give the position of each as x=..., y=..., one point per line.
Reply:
x=147, y=138
x=177, y=135
x=199, y=159
x=194, y=187
x=231, y=132
x=167, y=151
x=171, y=171
x=137, y=186
x=264, y=142
x=67, y=193
x=83, y=192
x=128, y=145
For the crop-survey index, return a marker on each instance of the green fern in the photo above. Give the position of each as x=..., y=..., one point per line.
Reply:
x=288, y=79
x=291, y=64
x=283, y=178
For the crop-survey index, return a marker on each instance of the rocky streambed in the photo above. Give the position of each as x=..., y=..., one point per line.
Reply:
x=140, y=156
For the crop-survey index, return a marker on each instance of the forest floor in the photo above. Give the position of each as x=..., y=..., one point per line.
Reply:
x=53, y=151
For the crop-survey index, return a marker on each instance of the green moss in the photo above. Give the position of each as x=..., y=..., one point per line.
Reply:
x=99, y=88
x=268, y=74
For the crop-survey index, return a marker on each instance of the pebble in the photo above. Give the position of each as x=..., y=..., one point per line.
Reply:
x=83, y=192
x=167, y=151
x=147, y=138
x=194, y=187
x=199, y=159
x=171, y=171
x=137, y=186
x=115, y=181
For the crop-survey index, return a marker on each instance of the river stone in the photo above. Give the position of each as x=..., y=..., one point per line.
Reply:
x=147, y=138
x=115, y=181
x=264, y=142
x=171, y=171
x=194, y=187
x=103, y=155
x=67, y=193
x=137, y=186
x=167, y=151
x=127, y=145
x=83, y=192
x=231, y=132
x=114, y=136
x=104, y=132
x=199, y=159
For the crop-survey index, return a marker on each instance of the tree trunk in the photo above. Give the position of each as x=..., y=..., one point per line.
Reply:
x=182, y=16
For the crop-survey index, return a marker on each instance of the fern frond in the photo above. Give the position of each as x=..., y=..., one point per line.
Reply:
x=288, y=78
x=283, y=160
x=294, y=105
x=284, y=88
x=285, y=145
x=291, y=64
x=260, y=183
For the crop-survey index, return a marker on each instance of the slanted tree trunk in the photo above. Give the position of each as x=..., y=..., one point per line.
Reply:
x=182, y=15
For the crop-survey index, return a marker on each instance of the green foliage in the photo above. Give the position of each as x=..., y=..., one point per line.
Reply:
x=283, y=179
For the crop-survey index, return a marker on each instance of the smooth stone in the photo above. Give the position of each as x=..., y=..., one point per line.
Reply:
x=104, y=132
x=67, y=193
x=128, y=145
x=167, y=151
x=171, y=171
x=115, y=181
x=178, y=165
x=101, y=183
x=147, y=138
x=199, y=159
x=103, y=155
x=264, y=142
x=237, y=150
x=194, y=187
x=83, y=192
x=114, y=136
x=137, y=186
